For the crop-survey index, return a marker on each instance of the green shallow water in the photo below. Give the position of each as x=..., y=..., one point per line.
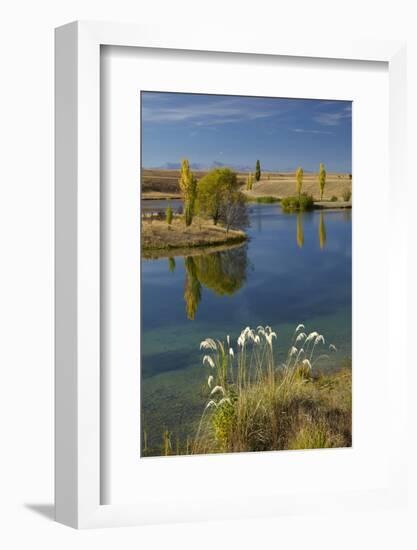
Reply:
x=295, y=269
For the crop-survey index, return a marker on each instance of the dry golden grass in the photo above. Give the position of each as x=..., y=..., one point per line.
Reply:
x=160, y=184
x=283, y=185
x=157, y=235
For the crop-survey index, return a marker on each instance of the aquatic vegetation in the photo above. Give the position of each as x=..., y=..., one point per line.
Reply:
x=303, y=202
x=267, y=199
x=256, y=403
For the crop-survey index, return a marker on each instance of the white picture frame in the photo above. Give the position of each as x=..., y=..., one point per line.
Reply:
x=78, y=265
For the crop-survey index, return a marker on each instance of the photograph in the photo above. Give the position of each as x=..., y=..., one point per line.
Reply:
x=246, y=274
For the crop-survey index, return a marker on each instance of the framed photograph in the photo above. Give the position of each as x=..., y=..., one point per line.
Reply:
x=227, y=293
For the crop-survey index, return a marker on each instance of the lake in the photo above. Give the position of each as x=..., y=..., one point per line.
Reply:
x=296, y=268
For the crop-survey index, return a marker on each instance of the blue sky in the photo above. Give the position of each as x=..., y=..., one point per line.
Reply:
x=235, y=131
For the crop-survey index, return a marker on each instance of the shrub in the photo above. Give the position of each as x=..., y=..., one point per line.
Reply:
x=168, y=215
x=267, y=200
x=347, y=195
x=334, y=198
x=303, y=202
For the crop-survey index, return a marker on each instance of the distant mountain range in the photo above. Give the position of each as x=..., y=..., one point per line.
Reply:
x=218, y=164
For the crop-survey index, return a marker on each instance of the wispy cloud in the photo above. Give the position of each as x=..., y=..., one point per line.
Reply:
x=333, y=118
x=202, y=113
x=307, y=131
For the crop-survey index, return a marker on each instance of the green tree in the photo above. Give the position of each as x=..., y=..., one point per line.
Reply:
x=299, y=181
x=168, y=214
x=258, y=171
x=188, y=188
x=322, y=179
x=212, y=192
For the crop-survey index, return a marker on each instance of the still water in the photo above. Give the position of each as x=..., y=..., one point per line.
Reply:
x=296, y=268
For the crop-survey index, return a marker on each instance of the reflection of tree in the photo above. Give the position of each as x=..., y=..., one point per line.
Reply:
x=192, y=291
x=171, y=263
x=300, y=233
x=322, y=231
x=222, y=272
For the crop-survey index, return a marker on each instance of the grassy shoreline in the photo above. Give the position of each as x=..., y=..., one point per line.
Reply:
x=157, y=235
x=254, y=403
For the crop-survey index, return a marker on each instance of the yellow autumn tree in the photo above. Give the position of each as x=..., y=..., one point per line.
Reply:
x=299, y=180
x=188, y=189
x=322, y=179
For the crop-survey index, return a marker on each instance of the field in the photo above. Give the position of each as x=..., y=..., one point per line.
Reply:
x=164, y=184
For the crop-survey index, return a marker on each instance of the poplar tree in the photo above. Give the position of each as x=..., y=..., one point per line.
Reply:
x=249, y=182
x=188, y=188
x=322, y=180
x=258, y=171
x=299, y=181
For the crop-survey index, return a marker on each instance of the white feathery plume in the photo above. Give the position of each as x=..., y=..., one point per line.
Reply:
x=211, y=403
x=293, y=351
x=269, y=337
x=210, y=381
x=208, y=343
x=307, y=363
x=300, y=337
x=209, y=360
x=228, y=340
x=310, y=337
x=231, y=352
x=319, y=338
x=299, y=327
x=332, y=347
x=217, y=389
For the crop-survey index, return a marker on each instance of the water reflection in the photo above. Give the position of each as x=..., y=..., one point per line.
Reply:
x=222, y=272
x=322, y=231
x=192, y=291
x=171, y=264
x=300, y=233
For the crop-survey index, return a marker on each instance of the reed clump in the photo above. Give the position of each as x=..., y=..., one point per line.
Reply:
x=256, y=404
